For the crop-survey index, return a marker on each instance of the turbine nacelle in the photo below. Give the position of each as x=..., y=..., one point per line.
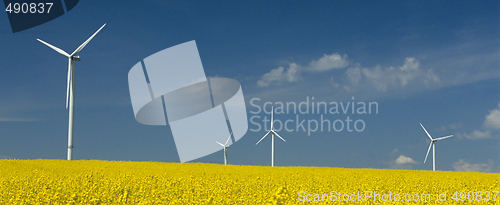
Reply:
x=76, y=58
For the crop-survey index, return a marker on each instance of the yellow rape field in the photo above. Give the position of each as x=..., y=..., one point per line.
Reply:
x=111, y=182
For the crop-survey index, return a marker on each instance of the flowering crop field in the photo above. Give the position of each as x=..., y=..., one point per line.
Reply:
x=112, y=182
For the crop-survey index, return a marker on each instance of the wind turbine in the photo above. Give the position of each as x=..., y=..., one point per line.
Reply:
x=225, y=148
x=433, y=141
x=70, y=88
x=272, y=132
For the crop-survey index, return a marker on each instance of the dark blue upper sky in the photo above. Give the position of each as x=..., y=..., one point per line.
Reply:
x=430, y=62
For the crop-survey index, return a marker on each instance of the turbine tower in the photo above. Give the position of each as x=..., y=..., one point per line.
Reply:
x=272, y=132
x=70, y=87
x=225, y=148
x=433, y=142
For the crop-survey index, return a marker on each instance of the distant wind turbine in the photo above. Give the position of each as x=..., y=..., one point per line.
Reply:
x=225, y=147
x=272, y=132
x=70, y=88
x=433, y=141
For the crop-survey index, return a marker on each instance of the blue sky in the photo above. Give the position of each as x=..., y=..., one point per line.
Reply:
x=435, y=63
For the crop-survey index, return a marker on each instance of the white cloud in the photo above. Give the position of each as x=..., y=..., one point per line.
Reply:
x=463, y=166
x=354, y=75
x=493, y=119
x=402, y=162
x=5, y=119
x=294, y=71
x=477, y=134
x=328, y=62
x=473, y=59
x=279, y=75
x=347, y=88
x=332, y=82
x=385, y=78
x=405, y=160
x=454, y=126
x=356, y=79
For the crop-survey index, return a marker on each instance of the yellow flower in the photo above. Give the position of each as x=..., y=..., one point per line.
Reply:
x=109, y=182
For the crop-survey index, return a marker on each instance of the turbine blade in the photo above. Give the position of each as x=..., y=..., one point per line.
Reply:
x=263, y=137
x=220, y=144
x=442, y=138
x=272, y=117
x=428, y=151
x=55, y=48
x=86, y=42
x=68, y=83
x=228, y=139
x=426, y=132
x=278, y=135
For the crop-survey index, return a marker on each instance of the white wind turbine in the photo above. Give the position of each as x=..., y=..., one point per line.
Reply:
x=433, y=141
x=272, y=132
x=70, y=88
x=225, y=147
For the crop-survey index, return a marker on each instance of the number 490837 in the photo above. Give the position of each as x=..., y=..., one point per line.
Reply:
x=475, y=196
x=29, y=8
